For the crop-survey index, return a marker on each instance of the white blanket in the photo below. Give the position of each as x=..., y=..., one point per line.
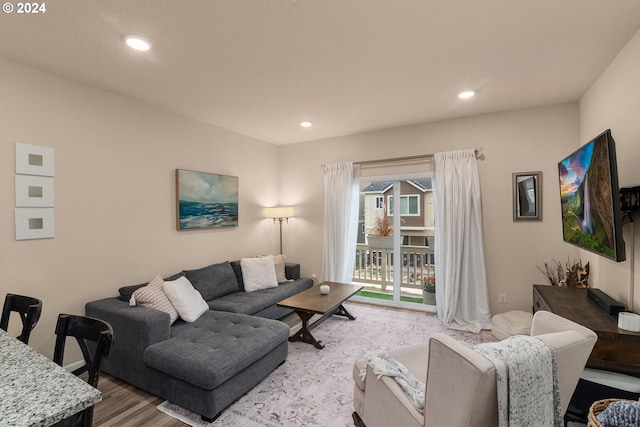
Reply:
x=527, y=382
x=413, y=388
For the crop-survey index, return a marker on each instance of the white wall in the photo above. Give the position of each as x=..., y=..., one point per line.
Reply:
x=115, y=193
x=613, y=102
x=517, y=141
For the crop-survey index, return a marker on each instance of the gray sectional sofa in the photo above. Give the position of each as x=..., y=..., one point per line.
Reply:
x=206, y=365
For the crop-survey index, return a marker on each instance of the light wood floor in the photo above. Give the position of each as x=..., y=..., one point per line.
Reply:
x=124, y=405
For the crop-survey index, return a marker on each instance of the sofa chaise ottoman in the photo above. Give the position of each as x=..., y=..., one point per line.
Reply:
x=207, y=364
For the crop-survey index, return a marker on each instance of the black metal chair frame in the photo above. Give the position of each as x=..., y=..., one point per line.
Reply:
x=87, y=331
x=28, y=308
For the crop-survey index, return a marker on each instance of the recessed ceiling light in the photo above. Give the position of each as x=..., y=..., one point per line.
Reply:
x=306, y=124
x=466, y=94
x=137, y=43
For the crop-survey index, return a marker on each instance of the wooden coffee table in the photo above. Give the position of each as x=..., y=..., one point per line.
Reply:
x=311, y=302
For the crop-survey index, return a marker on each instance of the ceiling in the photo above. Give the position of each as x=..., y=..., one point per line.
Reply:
x=259, y=67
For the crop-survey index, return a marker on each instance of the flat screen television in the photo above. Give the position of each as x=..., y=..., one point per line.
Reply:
x=590, y=198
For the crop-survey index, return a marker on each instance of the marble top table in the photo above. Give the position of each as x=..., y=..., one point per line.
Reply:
x=35, y=391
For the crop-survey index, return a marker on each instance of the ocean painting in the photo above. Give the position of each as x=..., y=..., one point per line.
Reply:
x=206, y=200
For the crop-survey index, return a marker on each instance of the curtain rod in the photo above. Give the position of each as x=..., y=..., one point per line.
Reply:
x=478, y=151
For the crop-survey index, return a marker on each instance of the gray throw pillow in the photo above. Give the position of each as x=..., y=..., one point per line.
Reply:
x=237, y=268
x=214, y=281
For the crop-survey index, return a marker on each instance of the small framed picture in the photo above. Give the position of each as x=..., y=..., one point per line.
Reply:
x=527, y=196
x=34, y=160
x=34, y=223
x=34, y=191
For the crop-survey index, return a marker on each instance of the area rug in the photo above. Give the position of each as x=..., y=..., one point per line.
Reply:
x=315, y=387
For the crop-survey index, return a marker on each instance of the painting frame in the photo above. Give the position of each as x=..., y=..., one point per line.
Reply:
x=205, y=200
x=34, y=160
x=527, y=196
x=34, y=223
x=34, y=191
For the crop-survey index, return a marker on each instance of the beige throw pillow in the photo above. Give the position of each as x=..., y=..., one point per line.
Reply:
x=278, y=261
x=153, y=296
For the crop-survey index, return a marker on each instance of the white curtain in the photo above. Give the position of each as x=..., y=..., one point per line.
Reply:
x=462, y=299
x=340, y=223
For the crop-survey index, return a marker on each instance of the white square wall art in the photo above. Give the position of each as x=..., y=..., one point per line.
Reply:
x=34, y=191
x=34, y=223
x=34, y=160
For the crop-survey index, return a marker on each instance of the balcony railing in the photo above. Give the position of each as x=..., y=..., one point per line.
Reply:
x=376, y=266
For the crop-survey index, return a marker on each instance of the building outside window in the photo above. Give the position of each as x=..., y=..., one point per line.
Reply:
x=379, y=202
x=409, y=205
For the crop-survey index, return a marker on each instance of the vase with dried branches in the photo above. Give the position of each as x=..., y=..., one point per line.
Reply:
x=572, y=274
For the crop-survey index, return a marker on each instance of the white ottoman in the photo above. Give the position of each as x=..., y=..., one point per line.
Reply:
x=511, y=323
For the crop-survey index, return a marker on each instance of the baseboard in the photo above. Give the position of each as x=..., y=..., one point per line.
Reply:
x=73, y=366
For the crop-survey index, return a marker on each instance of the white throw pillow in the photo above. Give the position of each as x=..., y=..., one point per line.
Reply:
x=278, y=262
x=185, y=298
x=153, y=296
x=258, y=273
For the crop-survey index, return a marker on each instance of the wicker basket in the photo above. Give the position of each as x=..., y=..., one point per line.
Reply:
x=597, y=407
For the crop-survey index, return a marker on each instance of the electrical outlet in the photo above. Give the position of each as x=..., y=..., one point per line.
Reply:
x=502, y=298
x=314, y=278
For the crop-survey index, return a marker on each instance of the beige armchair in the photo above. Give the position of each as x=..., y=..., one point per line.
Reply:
x=461, y=383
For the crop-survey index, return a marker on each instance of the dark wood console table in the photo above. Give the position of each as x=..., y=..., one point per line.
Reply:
x=616, y=349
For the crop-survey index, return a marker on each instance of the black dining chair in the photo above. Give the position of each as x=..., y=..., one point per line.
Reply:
x=94, y=336
x=28, y=308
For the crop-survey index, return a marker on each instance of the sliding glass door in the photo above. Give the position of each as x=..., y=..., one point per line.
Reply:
x=394, y=252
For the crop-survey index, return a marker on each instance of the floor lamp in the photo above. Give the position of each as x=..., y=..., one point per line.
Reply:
x=280, y=213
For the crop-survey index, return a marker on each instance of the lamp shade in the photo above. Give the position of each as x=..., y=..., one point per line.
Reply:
x=280, y=212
